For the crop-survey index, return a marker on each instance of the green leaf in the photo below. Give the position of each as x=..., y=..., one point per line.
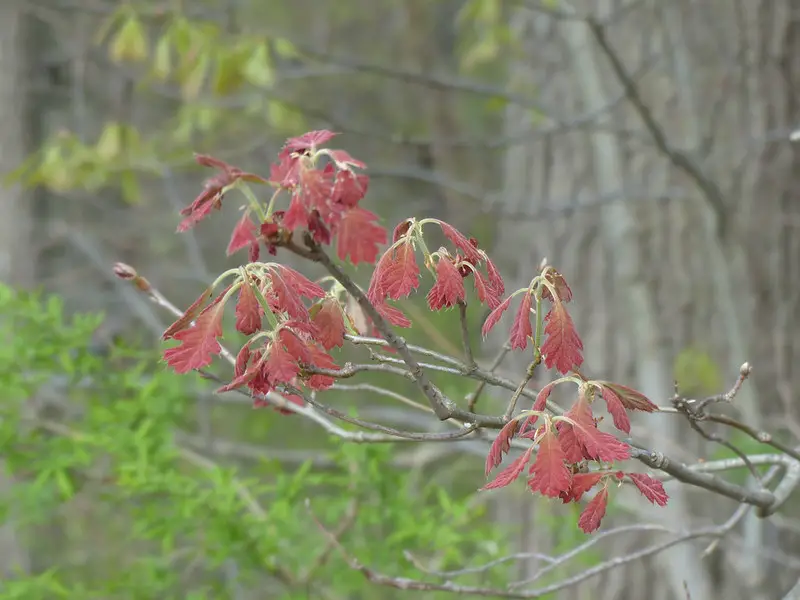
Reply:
x=130, y=43
x=258, y=68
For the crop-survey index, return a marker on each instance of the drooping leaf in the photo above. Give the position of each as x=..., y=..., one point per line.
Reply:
x=539, y=405
x=563, y=348
x=280, y=366
x=563, y=290
x=359, y=236
x=616, y=410
x=485, y=292
x=581, y=483
x=594, y=512
x=573, y=450
x=461, y=242
x=521, y=328
x=651, y=488
x=550, y=476
x=495, y=316
x=286, y=297
x=198, y=344
x=244, y=234
x=327, y=316
x=300, y=283
x=501, y=445
x=511, y=472
x=321, y=360
x=448, y=288
x=399, y=273
x=188, y=316
x=248, y=311
x=629, y=397
x=392, y=314
x=596, y=444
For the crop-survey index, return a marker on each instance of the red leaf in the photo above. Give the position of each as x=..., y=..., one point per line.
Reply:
x=185, y=320
x=486, y=293
x=359, y=236
x=297, y=347
x=296, y=215
x=461, y=242
x=495, y=279
x=349, y=188
x=328, y=318
x=244, y=234
x=550, y=474
x=651, y=488
x=597, y=444
x=495, y=316
x=594, y=512
x=199, y=343
x=294, y=399
x=511, y=472
x=344, y=160
x=307, y=141
x=449, y=286
x=563, y=291
x=573, y=450
x=563, y=347
x=617, y=410
x=321, y=360
x=521, y=329
x=396, y=274
x=581, y=483
x=280, y=366
x=299, y=282
x=248, y=310
x=401, y=229
x=501, y=445
x=630, y=398
x=392, y=314
x=539, y=405
x=286, y=298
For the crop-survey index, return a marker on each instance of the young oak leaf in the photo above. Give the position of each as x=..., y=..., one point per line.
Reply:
x=651, y=488
x=321, y=360
x=596, y=444
x=538, y=405
x=280, y=366
x=299, y=282
x=359, y=236
x=573, y=449
x=327, y=316
x=511, y=472
x=248, y=310
x=581, y=483
x=521, y=328
x=628, y=397
x=485, y=292
x=501, y=445
x=286, y=299
x=495, y=279
x=495, y=316
x=616, y=410
x=461, y=242
x=185, y=320
x=562, y=348
x=550, y=476
x=594, y=512
x=449, y=286
x=198, y=344
x=243, y=236
x=396, y=275
x=563, y=290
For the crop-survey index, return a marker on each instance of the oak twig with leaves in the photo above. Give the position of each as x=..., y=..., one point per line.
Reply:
x=293, y=323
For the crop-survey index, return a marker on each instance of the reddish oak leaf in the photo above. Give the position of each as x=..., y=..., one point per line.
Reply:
x=286, y=298
x=186, y=319
x=321, y=360
x=616, y=410
x=199, y=343
x=538, y=405
x=307, y=141
x=280, y=366
x=630, y=398
x=511, y=472
x=359, y=237
x=244, y=234
x=495, y=316
x=651, y=488
x=594, y=512
x=296, y=215
x=563, y=291
x=396, y=275
x=581, y=483
x=495, y=279
x=248, y=310
x=563, y=347
x=319, y=231
x=448, y=288
x=485, y=292
x=501, y=445
x=296, y=346
x=344, y=160
x=392, y=314
x=328, y=318
x=401, y=229
x=573, y=449
x=349, y=188
x=521, y=328
x=597, y=444
x=461, y=242
x=299, y=282
x=550, y=476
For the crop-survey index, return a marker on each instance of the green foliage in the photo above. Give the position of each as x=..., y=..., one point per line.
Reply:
x=111, y=506
x=697, y=373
